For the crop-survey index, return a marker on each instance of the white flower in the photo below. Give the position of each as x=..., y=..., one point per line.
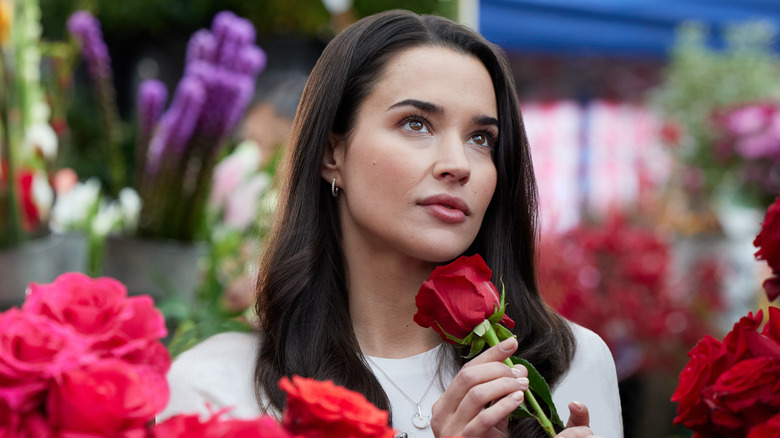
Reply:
x=130, y=204
x=40, y=136
x=108, y=218
x=42, y=194
x=74, y=207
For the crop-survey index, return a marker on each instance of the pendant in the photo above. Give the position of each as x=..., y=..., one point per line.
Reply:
x=420, y=421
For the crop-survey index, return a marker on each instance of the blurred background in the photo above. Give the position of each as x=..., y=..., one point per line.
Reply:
x=654, y=126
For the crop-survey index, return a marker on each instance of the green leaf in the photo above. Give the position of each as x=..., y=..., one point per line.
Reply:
x=522, y=412
x=465, y=341
x=476, y=347
x=502, y=332
x=539, y=386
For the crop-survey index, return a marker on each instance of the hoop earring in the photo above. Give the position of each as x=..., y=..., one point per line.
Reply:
x=333, y=189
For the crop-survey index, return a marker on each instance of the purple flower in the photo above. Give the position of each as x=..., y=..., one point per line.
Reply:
x=232, y=34
x=86, y=29
x=178, y=123
x=152, y=96
x=201, y=47
x=251, y=61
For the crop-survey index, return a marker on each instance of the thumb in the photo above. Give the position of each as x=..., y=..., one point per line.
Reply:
x=578, y=415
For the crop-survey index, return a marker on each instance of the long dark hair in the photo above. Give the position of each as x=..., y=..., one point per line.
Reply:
x=302, y=298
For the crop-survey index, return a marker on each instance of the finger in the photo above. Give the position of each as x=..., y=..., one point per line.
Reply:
x=483, y=368
x=477, y=385
x=578, y=415
x=496, y=414
x=497, y=353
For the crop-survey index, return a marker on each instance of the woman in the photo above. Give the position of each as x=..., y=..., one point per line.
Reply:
x=407, y=151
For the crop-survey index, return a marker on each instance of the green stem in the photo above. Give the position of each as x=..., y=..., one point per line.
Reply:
x=492, y=340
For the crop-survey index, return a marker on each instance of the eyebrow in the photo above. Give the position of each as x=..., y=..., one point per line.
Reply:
x=436, y=109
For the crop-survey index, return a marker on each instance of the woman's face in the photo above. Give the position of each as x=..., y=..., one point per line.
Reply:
x=416, y=171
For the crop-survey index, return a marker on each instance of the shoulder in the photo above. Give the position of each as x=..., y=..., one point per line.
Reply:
x=591, y=349
x=217, y=373
x=592, y=380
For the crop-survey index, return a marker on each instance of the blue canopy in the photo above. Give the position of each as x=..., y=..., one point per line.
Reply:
x=611, y=27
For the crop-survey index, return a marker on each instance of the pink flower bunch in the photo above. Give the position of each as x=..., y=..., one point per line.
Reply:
x=751, y=133
x=81, y=358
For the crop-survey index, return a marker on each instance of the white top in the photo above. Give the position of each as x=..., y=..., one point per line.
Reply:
x=219, y=372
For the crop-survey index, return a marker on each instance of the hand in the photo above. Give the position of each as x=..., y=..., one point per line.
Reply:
x=578, y=424
x=461, y=410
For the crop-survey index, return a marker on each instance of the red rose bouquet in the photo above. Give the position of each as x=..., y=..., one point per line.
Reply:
x=732, y=388
x=461, y=303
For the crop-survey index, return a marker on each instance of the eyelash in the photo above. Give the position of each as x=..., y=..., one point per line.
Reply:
x=419, y=117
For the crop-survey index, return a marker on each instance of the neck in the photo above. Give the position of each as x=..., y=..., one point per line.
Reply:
x=382, y=289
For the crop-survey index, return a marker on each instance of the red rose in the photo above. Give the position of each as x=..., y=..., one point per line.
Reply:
x=772, y=327
x=107, y=398
x=735, y=342
x=215, y=427
x=772, y=287
x=748, y=383
x=32, y=350
x=768, y=240
x=458, y=297
x=698, y=373
x=318, y=409
x=769, y=429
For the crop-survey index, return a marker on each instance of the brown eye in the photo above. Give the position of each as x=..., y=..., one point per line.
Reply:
x=416, y=125
x=480, y=140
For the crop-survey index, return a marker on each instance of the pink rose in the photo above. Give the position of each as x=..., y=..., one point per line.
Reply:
x=216, y=427
x=32, y=350
x=100, y=310
x=93, y=307
x=109, y=397
x=145, y=325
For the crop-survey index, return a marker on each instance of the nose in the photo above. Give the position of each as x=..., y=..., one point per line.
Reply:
x=452, y=163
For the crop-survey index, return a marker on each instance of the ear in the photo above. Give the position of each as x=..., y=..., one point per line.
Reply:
x=333, y=158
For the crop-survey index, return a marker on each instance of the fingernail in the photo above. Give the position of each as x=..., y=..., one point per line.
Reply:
x=579, y=405
x=524, y=381
x=517, y=373
x=507, y=344
x=518, y=396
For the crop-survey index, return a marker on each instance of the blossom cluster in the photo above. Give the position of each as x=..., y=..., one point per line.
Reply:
x=81, y=357
x=221, y=66
x=749, y=133
x=731, y=388
x=616, y=278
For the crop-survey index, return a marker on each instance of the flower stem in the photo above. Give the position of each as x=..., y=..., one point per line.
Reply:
x=492, y=340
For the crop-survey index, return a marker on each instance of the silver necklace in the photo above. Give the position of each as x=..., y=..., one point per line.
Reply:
x=419, y=420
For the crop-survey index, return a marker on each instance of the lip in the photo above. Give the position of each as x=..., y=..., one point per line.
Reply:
x=447, y=208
